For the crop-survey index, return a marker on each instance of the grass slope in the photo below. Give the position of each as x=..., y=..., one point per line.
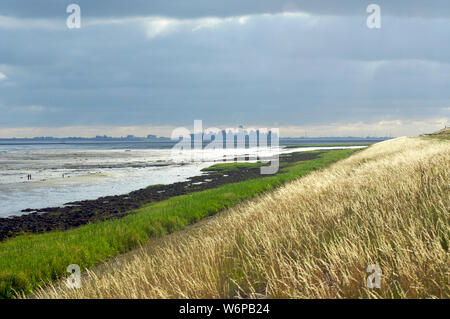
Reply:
x=329, y=145
x=443, y=134
x=311, y=238
x=30, y=260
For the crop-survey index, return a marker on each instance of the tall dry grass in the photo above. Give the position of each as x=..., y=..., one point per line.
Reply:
x=313, y=238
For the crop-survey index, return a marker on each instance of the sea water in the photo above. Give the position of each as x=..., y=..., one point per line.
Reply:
x=67, y=172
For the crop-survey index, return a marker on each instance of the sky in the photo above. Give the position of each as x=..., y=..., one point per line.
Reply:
x=307, y=67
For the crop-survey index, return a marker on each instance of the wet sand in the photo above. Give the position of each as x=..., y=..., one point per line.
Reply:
x=78, y=213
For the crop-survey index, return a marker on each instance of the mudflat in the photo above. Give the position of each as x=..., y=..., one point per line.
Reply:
x=75, y=214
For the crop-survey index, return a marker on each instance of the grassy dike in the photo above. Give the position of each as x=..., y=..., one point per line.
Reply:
x=30, y=260
x=314, y=237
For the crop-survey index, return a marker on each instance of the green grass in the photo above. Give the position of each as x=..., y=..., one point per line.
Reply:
x=329, y=145
x=29, y=260
x=231, y=166
x=445, y=137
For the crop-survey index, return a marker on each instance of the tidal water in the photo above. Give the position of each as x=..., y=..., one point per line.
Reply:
x=67, y=172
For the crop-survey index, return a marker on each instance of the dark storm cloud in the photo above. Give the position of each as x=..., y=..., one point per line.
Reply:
x=275, y=70
x=222, y=8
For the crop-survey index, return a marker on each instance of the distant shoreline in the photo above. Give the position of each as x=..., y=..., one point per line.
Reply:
x=284, y=141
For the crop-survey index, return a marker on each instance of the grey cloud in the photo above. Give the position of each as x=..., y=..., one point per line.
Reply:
x=220, y=8
x=287, y=70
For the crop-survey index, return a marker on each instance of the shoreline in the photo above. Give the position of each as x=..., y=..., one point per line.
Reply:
x=91, y=174
x=78, y=213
